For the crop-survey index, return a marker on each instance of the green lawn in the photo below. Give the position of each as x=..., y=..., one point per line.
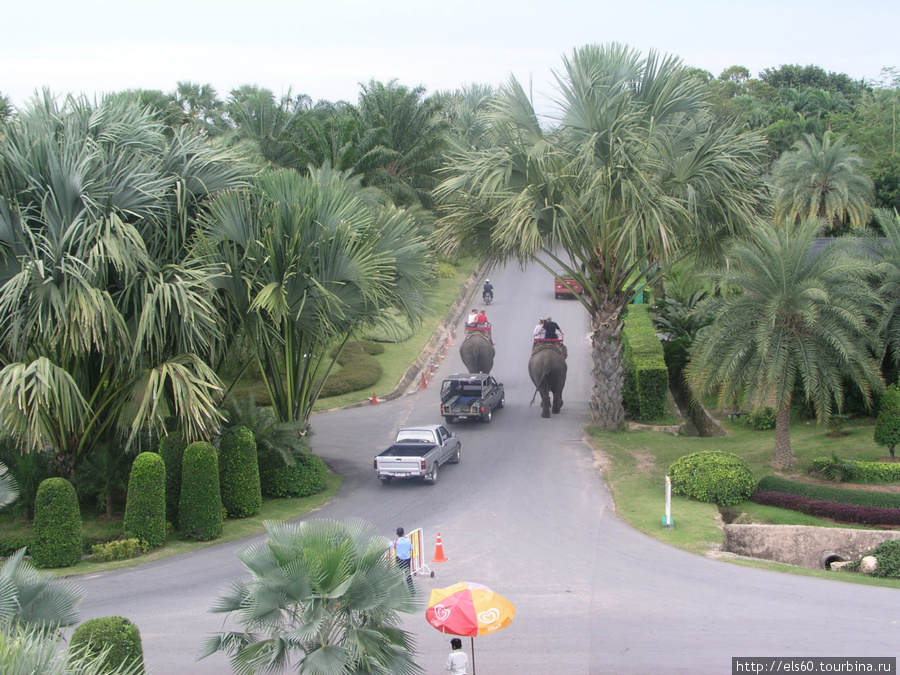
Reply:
x=635, y=464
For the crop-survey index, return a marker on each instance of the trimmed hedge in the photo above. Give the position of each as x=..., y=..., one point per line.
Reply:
x=863, y=472
x=56, y=533
x=200, y=516
x=888, y=500
x=713, y=476
x=239, y=473
x=646, y=388
x=842, y=513
x=122, y=549
x=115, y=633
x=145, y=507
x=171, y=449
x=308, y=476
x=887, y=425
x=359, y=370
x=888, y=555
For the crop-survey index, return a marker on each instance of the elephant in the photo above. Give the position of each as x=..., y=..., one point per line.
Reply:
x=547, y=368
x=477, y=352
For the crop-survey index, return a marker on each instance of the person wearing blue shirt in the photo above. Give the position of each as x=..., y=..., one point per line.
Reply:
x=403, y=548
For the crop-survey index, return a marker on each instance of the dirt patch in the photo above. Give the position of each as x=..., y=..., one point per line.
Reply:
x=645, y=461
x=602, y=461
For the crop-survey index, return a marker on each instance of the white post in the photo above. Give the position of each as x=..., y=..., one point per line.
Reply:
x=667, y=519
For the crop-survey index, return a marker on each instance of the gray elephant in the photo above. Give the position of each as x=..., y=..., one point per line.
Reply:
x=547, y=368
x=477, y=352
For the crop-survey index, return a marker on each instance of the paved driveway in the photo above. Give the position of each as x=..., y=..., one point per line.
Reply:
x=526, y=513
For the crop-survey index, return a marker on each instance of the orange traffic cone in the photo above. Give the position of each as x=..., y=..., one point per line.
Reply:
x=424, y=383
x=374, y=399
x=439, y=551
x=450, y=340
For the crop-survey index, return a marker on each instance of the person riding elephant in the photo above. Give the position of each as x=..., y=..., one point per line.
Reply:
x=477, y=352
x=547, y=369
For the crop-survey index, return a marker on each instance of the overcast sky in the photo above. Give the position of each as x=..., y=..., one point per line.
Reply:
x=325, y=48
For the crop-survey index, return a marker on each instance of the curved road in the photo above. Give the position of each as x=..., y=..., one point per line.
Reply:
x=526, y=513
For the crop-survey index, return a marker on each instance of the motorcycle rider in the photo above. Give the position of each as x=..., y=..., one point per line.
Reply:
x=488, y=291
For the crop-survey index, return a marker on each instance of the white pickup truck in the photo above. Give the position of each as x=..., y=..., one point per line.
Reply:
x=418, y=451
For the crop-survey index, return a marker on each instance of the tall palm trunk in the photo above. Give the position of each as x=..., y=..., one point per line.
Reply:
x=607, y=411
x=783, y=458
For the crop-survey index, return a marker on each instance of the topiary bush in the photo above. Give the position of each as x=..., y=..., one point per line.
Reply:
x=115, y=633
x=239, y=473
x=713, y=476
x=200, y=508
x=358, y=369
x=56, y=533
x=887, y=425
x=171, y=449
x=145, y=506
x=306, y=477
x=888, y=555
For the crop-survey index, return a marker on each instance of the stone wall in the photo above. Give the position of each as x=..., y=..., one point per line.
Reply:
x=802, y=545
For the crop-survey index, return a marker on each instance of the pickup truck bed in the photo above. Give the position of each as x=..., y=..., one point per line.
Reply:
x=412, y=457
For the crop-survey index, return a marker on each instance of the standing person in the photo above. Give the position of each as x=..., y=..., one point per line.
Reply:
x=473, y=317
x=539, y=331
x=488, y=290
x=458, y=661
x=552, y=328
x=403, y=548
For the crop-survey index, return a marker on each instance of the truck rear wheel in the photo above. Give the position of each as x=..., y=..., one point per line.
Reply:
x=449, y=419
x=502, y=400
x=385, y=479
x=455, y=459
x=431, y=478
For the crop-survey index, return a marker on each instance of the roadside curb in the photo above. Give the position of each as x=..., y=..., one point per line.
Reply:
x=424, y=363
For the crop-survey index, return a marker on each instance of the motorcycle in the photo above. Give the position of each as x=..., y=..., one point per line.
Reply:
x=487, y=296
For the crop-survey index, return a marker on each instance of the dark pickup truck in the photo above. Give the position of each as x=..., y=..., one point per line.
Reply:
x=471, y=396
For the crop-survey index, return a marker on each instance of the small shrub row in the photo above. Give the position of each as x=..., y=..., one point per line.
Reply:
x=119, y=550
x=713, y=476
x=842, y=513
x=887, y=500
x=861, y=472
x=10, y=543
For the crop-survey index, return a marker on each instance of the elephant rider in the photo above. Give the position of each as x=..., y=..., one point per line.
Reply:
x=472, y=318
x=488, y=290
x=481, y=319
x=539, y=331
x=553, y=333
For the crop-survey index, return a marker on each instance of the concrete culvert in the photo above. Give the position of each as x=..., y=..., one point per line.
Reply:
x=830, y=557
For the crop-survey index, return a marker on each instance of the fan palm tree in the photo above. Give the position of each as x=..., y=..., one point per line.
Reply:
x=790, y=318
x=107, y=327
x=824, y=180
x=888, y=251
x=634, y=172
x=323, y=598
x=9, y=489
x=305, y=263
x=35, y=598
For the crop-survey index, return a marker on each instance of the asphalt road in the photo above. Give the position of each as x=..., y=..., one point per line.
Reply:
x=526, y=513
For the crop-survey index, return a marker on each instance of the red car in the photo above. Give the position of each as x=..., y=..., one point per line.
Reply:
x=560, y=290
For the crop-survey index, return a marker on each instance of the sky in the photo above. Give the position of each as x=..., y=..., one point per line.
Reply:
x=326, y=48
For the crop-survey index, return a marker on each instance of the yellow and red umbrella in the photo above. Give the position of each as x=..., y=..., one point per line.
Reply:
x=468, y=609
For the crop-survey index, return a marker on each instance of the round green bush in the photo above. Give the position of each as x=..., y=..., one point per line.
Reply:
x=888, y=555
x=712, y=476
x=115, y=633
x=56, y=533
x=308, y=476
x=200, y=508
x=171, y=449
x=239, y=473
x=145, y=507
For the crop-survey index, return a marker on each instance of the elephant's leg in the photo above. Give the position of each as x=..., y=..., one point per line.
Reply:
x=545, y=403
x=557, y=401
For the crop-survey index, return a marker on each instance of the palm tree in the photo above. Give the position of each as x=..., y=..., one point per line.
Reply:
x=888, y=251
x=9, y=489
x=824, y=180
x=306, y=262
x=106, y=328
x=323, y=594
x=201, y=108
x=35, y=598
x=634, y=171
x=790, y=318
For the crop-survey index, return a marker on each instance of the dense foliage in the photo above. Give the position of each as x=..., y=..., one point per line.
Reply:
x=171, y=449
x=56, y=534
x=887, y=426
x=842, y=513
x=713, y=476
x=116, y=634
x=830, y=493
x=239, y=473
x=887, y=553
x=200, y=512
x=305, y=475
x=646, y=389
x=145, y=507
